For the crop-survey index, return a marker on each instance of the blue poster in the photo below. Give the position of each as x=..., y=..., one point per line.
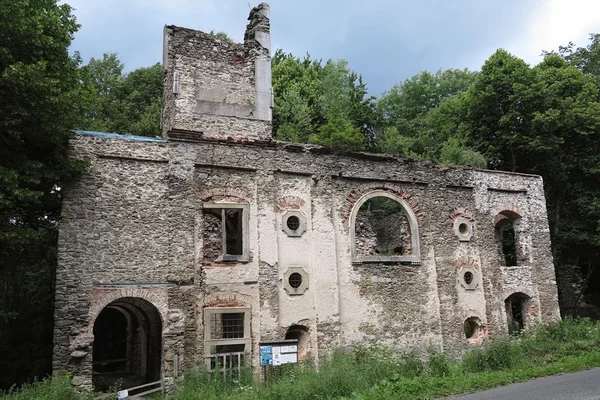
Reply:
x=266, y=359
x=266, y=355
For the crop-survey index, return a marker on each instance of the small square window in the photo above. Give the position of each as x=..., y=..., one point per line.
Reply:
x=227, y=326
x=225, y=232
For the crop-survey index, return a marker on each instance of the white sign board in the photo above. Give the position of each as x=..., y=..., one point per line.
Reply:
x=278, y=353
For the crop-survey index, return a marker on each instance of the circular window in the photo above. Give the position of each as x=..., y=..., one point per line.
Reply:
x=468, y=277
x=463, y=228
x=295, y=280
x=293, y=222
x=470, y=326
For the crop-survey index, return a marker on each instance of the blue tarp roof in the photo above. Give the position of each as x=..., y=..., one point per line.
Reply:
x=118, y=136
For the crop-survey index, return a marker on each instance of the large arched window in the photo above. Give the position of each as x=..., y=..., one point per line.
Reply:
x=384, y=229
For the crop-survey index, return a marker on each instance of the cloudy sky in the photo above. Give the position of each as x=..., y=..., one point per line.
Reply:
x=386, y=41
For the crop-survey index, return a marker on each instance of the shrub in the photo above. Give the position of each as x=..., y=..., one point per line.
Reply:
x=438, y=363
x=496, y=356
x=411, y=365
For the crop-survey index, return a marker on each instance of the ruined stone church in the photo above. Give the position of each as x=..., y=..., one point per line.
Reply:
x=196, y=247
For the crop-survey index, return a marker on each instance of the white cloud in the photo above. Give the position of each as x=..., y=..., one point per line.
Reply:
x=554, y=24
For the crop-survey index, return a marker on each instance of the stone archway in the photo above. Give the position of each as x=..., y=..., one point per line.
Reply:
x=127, y=348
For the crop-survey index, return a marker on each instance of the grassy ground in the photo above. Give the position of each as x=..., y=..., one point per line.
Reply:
x=377, y=373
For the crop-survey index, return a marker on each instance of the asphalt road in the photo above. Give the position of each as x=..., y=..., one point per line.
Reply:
x=583, y=385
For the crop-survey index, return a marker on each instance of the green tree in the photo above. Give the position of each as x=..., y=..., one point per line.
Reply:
x=38, y=107
x=500, y=110
x=586, y=59
x=100, y=78
x=566, y=149
x=424, y=117
x=320, y=103
x=117, y=102
x=223, y=36
x=423, y=92
x=295, y=117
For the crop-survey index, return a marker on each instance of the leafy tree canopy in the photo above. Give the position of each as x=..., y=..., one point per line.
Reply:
x=38, y=107
x=114, y=101
x=320, y=103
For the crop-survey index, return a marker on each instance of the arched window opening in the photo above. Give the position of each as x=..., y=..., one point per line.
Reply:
x=385, y=229
x=382, y=229
x=471, y=327
x=302, y=335
x=127, y=344
x=517, y=305
x=508, y=244
x=506, y=239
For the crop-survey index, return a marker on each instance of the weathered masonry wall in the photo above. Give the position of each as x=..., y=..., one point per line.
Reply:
x=199, y=246
x=133, y=227
x=215, y=88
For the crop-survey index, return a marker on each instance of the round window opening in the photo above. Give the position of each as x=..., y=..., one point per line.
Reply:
x=470, y=327
x=295, y=280
x=293, y=222
x=468, y=277
x=463, y=228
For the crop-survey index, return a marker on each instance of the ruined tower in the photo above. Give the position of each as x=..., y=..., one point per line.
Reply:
x=217, y=89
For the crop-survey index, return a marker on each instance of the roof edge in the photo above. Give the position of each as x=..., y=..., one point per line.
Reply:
x=132, y=138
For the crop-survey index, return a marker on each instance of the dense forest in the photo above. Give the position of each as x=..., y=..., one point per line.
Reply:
x=543, y=120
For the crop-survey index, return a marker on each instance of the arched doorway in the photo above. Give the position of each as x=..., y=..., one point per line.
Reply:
x=517, y=306
x=127, y=344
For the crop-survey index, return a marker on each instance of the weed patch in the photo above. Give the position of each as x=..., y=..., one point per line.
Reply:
x=377, y=373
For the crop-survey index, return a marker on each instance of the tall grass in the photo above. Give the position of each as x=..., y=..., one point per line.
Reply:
x=58, y=388
x=369, y=373
x=342, y=374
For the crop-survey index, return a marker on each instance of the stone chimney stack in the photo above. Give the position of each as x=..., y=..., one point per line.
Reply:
x=258, y=31
x=214, y=89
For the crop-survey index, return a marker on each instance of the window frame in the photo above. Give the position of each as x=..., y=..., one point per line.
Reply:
x=224, y=257
x=414, y=258
x=209, y=342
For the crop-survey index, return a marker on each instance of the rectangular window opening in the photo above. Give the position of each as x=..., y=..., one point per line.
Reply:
x=227, y=337
x=233, y=231
x=225, y=232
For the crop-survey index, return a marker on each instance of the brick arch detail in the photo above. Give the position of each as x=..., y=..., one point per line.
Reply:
x=358, y=192
x=290, y=203
x=518, y=291
x=103, y=297
x=507, y=212
x=227, y=299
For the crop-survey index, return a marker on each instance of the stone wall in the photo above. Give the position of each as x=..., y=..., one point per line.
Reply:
x=222, y=89
x=136, y=219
